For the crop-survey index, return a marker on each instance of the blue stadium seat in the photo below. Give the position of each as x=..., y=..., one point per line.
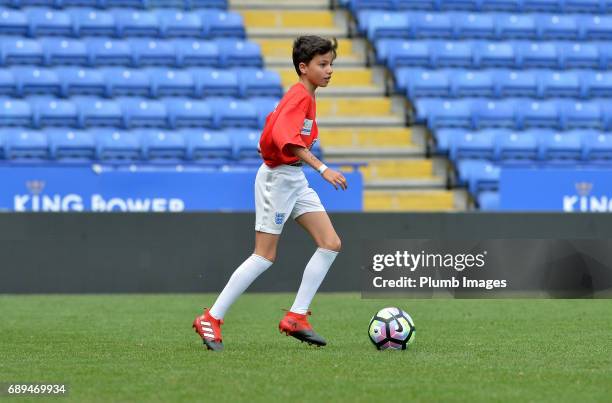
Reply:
x=152, y=52
x=64, y=51
x=15, y=50
x=235, y=52
x=8, y=84
x=258, y=82
x=414, y=4
x=172, y=82
x=141, y=112
x=433, y=25
x=4, y=133
x=197, y=53
x=476, y=145
x=578, y=55
x=581, y=115
x=400, y=53
x=467, y=5
x=363, y=18
x=494, y=113
x=424, y=106
x=15, y=112
x=228, y=112
x=27, y=144
x=597, y=84
x=451, y=113
x=184, y=112
x=475, y=25
x=516, y=26
x=69, y=144
x=135, y=23
x=163, y=146
x=427, y=83
x=534, y=54
x=98, y=112
x=104, y=51
x=605, y=55
x=501, y=5
x=472, y=83
x=179, y=23
x=495, y=54
x=35, y=80
x=264, y=106
x=81, y=81
x=208, y=146
x=92, y=22
x=220, y=4
x=479, y=175
x=597, y=27
x=216, y=82
x=597, y=147
x=516, y=147
x=356, y=5
x=488, y=201
x=246, y=143
x=546, y=6
x=562, y=147
x=558, y=26
x=445, y=137
x=53, y=112
x=124, y=81
x=452, y=54
x=516, y=83
x=382, y=25
x=533, y=113
x=45, y=21
x=114, y=145
x=13, y=22
x=222, y=23
x=559, y=84
x=126, y=3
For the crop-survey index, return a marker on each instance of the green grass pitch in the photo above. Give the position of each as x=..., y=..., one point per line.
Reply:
x=142, y=348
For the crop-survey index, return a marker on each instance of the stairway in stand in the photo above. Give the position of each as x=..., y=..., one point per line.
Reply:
x=357, y=121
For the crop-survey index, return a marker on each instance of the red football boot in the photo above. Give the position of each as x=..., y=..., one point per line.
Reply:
x=296, y=325
x=209, y=330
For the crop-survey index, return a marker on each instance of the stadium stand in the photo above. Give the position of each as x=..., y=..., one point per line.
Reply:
x=499, y=82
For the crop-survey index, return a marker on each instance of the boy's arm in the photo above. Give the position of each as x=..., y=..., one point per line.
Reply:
x=334, y=177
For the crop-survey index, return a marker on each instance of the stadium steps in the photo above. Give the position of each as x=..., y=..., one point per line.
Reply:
x=358, y=122
x=413, y=200
x=272, y=22
x=353, y=81
x=277, y=52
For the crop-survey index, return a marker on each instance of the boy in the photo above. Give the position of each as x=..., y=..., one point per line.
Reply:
x=281, y=190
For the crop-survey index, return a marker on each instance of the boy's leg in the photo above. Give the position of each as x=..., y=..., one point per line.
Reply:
x=246, y=273
x=320, y=228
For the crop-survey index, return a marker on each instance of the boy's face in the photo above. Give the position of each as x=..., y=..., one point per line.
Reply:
x=319, y=70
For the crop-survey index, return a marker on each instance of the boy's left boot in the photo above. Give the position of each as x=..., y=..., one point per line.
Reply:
x=296, y=325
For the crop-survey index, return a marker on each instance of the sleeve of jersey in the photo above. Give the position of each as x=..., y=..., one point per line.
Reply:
x=289, y=125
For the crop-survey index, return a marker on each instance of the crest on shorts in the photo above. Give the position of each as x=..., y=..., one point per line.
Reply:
x=279, y=218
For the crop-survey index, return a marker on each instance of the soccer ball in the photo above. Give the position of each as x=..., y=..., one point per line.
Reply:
x=391, y=328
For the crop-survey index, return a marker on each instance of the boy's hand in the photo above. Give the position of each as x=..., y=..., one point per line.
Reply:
x=335, y=178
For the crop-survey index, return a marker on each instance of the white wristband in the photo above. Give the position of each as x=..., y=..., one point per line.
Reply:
x=322, y=169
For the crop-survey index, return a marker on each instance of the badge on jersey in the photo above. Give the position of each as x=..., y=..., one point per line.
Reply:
x=306, y=128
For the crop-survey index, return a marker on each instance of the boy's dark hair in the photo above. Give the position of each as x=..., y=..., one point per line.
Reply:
x=305, y=48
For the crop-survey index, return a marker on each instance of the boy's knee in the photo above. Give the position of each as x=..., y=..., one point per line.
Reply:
x=331, y=244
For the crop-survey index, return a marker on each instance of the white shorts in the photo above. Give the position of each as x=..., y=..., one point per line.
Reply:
x=282, y=192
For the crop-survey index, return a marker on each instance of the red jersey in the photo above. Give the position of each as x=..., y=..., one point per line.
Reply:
x=291, y=123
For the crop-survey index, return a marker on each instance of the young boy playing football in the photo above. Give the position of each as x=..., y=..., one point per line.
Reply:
x=282, y=191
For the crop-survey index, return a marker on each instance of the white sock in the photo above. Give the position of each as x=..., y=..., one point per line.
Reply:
x=315, y=272
x=240, y=280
